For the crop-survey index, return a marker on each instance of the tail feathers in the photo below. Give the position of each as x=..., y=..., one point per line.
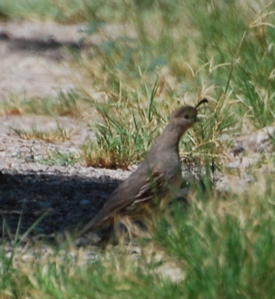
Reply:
x=94, y=223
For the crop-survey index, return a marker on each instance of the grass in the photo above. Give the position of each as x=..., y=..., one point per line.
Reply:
x=223, y=244
x=219, y=248
x=226, y=244
x=123, y=139
x=187, y=57
x=59, y=158
x=57, y=135
x=69, y=104
x=234, y=70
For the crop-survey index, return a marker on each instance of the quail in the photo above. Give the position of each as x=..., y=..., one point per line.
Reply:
x=157, y=179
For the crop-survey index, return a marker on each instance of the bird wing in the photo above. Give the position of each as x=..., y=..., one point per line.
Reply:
x=143, y=185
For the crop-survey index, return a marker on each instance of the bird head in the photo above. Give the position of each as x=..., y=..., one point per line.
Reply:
x=186, y=116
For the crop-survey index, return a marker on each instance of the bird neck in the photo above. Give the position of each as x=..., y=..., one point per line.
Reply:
x=169, y=139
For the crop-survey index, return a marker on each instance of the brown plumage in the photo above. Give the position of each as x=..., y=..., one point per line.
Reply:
x=157, y=177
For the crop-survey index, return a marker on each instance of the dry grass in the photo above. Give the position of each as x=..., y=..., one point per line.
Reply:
x=58, y=135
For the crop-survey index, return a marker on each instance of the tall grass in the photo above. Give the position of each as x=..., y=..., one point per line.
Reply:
x=223, y=51
x=226, y=244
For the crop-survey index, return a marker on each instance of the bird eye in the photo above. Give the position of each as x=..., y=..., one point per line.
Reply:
x=186, y=116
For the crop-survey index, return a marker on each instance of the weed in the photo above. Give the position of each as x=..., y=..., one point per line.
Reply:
x=56, y=135
x=125, y=135
x=59, y=158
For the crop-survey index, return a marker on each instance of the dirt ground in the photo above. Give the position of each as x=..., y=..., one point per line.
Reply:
x=33, y=64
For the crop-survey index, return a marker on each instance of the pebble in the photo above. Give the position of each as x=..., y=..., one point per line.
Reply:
x=84, y=202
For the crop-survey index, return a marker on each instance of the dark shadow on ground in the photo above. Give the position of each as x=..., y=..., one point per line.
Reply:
x=47, y=46
x=63, y=202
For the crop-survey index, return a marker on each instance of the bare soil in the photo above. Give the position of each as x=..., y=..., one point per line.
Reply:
x=34, y=64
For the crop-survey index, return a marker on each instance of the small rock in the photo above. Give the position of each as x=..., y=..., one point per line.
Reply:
x=84, y=202
x=45, y=204
x=237, y=150
x=24, y=200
